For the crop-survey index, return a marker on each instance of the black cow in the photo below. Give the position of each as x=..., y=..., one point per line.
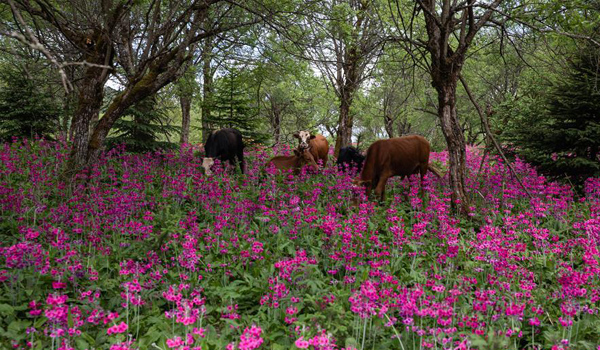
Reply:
x=350, y=157
x=225, y=145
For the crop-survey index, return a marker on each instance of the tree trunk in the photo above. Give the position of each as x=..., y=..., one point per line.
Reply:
x=207, y=89
x=389, y=125
x=276, y=125
x=64, y=132
x=132, y=94
x=162, y=71
x=455, y=140
x=89, y=103
x=186, y=103
x=346, y=122
x=89, y=100
x=114, y=111
x=403, y=127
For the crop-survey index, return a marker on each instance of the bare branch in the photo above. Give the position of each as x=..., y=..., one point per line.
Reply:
x=490, y=135
x=32, y=41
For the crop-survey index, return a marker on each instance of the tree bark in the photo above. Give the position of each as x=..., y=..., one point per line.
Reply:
x=276, y=122
x=389, y=125
x=186, y=103
x=455, y=139
x=346, y=120
x=89, y=103
x=277, y=128
x=404, y=127
x=162, y=71
x=207, y=88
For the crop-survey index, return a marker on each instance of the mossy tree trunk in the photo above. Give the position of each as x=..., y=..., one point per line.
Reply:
x=186, y=103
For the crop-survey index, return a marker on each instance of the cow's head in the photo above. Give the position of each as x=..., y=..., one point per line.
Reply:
x=304, y=137
x=207, y=164
x=306, y=158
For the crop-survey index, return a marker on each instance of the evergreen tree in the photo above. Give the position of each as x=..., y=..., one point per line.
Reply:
x=144, y=127
x=234, y=106
x=561, y=132
x=27, y=107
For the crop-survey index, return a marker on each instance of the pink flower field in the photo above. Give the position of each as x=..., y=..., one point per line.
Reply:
x=146, y=252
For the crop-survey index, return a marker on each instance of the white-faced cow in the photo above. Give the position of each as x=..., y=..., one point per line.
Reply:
x=350, y=158
x=225, y=145
x=401, y=156
x=317, y=144
x=296, y=161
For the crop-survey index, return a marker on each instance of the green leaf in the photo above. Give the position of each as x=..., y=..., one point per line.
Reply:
x=6, y=309
x=70, y=319
x=351, y=342
x=477, y=340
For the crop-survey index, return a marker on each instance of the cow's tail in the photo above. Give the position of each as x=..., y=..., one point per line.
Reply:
x=435, y=170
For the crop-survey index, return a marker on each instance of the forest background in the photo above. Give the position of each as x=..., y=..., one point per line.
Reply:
x=153, y=74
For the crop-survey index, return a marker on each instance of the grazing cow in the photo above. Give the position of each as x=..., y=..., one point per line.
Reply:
x=225, y=145
x=350, y=157
x=296, y=161
x=401, y=156
x=316, y=143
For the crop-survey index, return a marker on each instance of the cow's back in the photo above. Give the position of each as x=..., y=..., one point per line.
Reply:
x=408, y=153
x=350, y=156
x=319, y=148
x=224, y=143
x=399, y=156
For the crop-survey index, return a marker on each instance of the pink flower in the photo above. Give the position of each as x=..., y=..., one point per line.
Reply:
x=301, y=343
x=59, y=285
x=174, y=342
x=120, y=328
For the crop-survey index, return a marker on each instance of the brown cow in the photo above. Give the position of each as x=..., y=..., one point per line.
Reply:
x=318, y=145
x=296, y=162
x=401, y=156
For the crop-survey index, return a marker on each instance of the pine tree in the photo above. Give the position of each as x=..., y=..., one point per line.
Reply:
x=234, y=107
x=143, y=127
x=560, y=129
x=27, y=108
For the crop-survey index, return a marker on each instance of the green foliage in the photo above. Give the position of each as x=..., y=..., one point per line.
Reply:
x=234, y=105
x=143, y=128
x=557, y=126
x=27, y=105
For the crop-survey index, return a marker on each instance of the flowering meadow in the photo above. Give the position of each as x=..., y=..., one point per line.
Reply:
x=146, y=252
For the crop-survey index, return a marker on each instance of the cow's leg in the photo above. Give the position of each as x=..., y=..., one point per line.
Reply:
x=240, y=156
x=380, y=189
x=405, y=194
x=370, y=186
x=233, y=164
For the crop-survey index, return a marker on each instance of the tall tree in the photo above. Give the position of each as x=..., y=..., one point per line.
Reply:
x=28, y=107
x=144, y=126
x=450, y=28
x=143, y=45
x=556, y=124
x=343, y=41
x=235, y=105
x=207, y=87
x=186, y=90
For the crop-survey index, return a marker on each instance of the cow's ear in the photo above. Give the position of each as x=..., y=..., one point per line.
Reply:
x=296, y=135
x=312, y=137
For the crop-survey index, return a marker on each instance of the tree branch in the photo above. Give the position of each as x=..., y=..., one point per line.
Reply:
x=484, y=122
